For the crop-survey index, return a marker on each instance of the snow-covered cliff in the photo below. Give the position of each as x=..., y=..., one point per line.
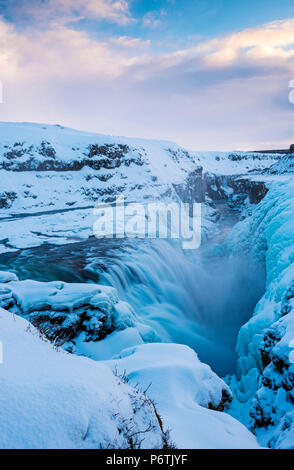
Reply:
x=51, y=177
x=263, y=385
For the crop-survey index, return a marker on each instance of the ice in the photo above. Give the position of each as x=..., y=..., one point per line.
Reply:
x=51, y=178
x=63, y=401
x=264, y=379
x=74, y=313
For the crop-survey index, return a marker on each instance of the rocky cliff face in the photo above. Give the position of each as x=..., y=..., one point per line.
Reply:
x=63, y=312
x=20, y=157
x=234, y=189
x=263, y=385
x=50, y=170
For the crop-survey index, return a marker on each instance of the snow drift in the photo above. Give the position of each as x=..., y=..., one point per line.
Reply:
x=51, y=399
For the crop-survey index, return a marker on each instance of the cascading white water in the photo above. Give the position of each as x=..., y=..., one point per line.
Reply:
x=200, y=298
x=196, y=298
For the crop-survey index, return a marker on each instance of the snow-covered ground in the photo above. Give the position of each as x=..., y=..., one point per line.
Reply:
x=187, y=394
x=51, y=399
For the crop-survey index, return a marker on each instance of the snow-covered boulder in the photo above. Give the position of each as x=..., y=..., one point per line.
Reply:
x=72, y=314
x=52, y=399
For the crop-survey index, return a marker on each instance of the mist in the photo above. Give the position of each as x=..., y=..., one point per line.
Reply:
x=200, y=299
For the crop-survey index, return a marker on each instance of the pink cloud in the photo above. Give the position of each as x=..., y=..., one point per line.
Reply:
x=218, y=94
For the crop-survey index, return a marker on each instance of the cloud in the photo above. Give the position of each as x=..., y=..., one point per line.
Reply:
x=268, y=41
x=59, y=53
x=154, y=18
x=264, y=51
x=131, y=42
x=225, y=93
x=63, y=11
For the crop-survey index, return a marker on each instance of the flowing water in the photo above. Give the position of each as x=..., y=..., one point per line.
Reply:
x=199, y=298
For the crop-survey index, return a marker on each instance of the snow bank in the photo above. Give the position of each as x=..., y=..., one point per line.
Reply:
x=187, y=394
x=52, y=399
x=7, y=277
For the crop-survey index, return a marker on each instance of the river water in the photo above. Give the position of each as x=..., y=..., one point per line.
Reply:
x=200, y=298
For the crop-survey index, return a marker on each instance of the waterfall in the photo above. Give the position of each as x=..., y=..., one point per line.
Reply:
x=198, y=298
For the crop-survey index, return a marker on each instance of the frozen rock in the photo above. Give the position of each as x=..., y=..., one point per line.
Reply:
x=263, y=385
x=66, y=312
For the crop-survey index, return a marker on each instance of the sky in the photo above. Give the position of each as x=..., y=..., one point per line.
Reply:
x=207, y=74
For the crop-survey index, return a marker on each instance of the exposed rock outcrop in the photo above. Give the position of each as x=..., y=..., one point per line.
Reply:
x=65, y=312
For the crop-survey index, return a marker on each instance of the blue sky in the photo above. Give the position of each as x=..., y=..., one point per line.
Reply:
x=183, y=19
x=209, y=74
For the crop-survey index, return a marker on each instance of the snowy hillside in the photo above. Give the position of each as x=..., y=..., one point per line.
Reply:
x=45, y=168
x=125, y=165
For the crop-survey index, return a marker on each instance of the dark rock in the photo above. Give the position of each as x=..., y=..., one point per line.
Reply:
x=7, y=198
x=192, y=190
x=226, y=399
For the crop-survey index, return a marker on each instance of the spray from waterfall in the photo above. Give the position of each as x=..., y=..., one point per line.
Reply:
x=200, y=299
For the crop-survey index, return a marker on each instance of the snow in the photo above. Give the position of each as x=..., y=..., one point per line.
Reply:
x=51, y=399
x=110, y=346
x=152, y=171
x=78, y=313
x=7, y=277
x=263, y=383
x=183, y=389
x=33, y=295
x=235, y=163
x=273, y=402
